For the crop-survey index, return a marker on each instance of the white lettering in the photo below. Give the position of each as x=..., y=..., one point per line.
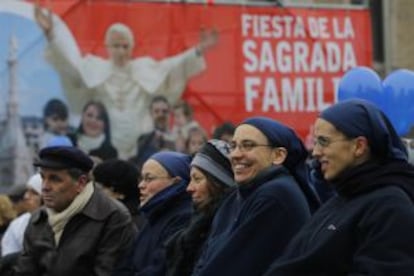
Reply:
x=251, y=89
x=349, y=59
x=251, y=63
x=292, y=95
x=270, y=97
x=266, y=58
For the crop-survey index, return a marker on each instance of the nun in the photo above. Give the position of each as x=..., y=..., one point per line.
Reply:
x=366, y=228
x=167, y=208
x=272, y=201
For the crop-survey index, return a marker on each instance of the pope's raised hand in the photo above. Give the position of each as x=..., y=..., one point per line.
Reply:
x=208, y=38
x=43, y=19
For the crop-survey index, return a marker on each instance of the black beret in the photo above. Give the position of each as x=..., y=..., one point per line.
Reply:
x=63, y=157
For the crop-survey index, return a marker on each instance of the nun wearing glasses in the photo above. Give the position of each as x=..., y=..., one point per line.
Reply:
x=367, y=227
x=272, y=201
x=167, y=209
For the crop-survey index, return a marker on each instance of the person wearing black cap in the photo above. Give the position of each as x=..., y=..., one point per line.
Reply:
x=167, y=208
x=80, y=231
x=211, y=180
x=119, y=179
x=272, y=202
x=366, y=228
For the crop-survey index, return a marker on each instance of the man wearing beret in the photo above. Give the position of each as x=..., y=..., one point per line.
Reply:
x=80, y=231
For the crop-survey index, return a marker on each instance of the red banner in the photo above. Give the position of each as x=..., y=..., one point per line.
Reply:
x=278, y=62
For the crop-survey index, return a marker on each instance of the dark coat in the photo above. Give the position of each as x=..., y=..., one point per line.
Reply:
x=367, y=229
x=171, y=213
x=91, y=243
x=185, y=246
x=253, y=225
x=105, y=151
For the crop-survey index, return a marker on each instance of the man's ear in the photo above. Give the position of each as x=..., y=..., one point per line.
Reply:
x=81, y=182
x=279, y=155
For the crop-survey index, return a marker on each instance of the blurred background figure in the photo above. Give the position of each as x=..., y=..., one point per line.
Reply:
x=183, y=122
x=55, y=121
x=197, y=137
x=224, y=132
x=93, y=135
x=12, y=241
x=119, y=179
x=16, y=195
x=160, y=138
x=211, y=180
x=7, y=213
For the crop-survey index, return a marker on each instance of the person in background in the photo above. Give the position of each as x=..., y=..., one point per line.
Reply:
x=16, y=195
x=93, y=135
x=197, y=138
x=167, y=208
x=12, y=240
x=211, y=181
x=124, y=84
x=7, y=213
x=366, y=228
x=183, y=122
x=224, y=132
x=55, y=121
x=80, y=230
x=120, y=179
x=272, y=202
x=160, y=138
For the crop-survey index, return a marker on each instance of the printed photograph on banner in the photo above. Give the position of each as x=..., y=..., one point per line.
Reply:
x=84, y=73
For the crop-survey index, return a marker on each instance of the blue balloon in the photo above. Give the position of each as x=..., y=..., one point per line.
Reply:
x=399, y=96
x=362, y=83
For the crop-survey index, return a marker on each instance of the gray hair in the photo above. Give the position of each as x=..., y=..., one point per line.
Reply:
x=120, y=28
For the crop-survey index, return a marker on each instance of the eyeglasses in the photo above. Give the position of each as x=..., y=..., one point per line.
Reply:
x=324, y=142
x=149, y=178
x=245, y=146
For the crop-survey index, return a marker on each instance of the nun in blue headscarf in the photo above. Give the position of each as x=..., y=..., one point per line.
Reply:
x=366, y=229
x=167, y=208
x=272, y=202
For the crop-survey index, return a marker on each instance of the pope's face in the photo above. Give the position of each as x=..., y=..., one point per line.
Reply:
x=119, y=48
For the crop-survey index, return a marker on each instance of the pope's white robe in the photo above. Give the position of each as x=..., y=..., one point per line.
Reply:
x=126, y=92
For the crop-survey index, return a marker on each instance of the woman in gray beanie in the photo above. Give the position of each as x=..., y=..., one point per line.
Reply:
x=211, y=181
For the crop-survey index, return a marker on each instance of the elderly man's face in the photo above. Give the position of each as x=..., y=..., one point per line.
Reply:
x=58, y=188
x=119, y=48
x=334, y=150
